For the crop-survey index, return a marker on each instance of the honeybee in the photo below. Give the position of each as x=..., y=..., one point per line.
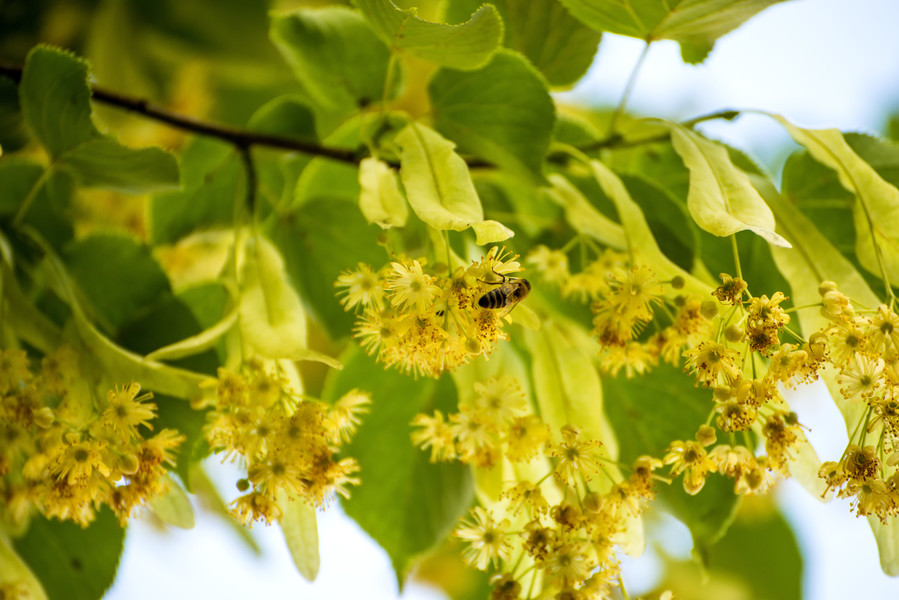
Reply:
x=506, y=295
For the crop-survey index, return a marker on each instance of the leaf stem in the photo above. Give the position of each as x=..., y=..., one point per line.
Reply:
x=32, y=194
x=628, y=88
x=733, y=244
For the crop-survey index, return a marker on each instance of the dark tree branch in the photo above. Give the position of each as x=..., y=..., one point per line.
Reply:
x=242, y=138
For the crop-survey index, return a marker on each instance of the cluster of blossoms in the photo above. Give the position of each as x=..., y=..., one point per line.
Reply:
x=286, y=440
x=424, y=323
x=623, y=299
x=65, y=452
x=865, y=350
x=567, y=533
x=730, y=344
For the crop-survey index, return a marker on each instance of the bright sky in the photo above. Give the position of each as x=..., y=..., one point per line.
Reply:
x=820, y=63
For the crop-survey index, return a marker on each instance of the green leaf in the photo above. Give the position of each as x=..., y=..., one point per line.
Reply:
x=13, y=133
x=502, y=112
x=650, y=411
x=118, y=363
x=14, y=571
x=438, y=184
x=640, y=241
x=325, y=178
x=582, y=216
x=668, y=218
x=335, y=55
x=405, y=503
x=381, y=201
x=690, y=21
x=285, y=116
x=51, y=208
x=70, y=561
x=877, y=202
x=760, y=552
x=318, y=240
x=117, y=274
x=174, y=413
x=213, y=182
x=55, y=100
x=560, y=46
x=466, y=46
x=300, y=528
x=721, y=198
x=106, y=163
x=566, y=383
x=887, y=536
x=173, y=507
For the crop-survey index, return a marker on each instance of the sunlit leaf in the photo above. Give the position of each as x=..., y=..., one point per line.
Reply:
x=640, y=241
x=502, y=112
x=173, y=507
x=582, y=216
x=466, y=46
x=438, y=184
x=690, y=21
x=721, y=199
x=877, y=206
x=299, y=524
x=14, y=571
x=381, y=201
x=490, y=232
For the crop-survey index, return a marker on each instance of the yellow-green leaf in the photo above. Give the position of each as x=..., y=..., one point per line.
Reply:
x=640, y=241
x=299, y=525
x=468, y=45
x=380, y=200
x=13, y=570
x=490, y=232
x=583, y=216
x=690, y=21
x=876, y=211
x=438, y=184
x=272, y=319
x=173, y=507
x=721, y=198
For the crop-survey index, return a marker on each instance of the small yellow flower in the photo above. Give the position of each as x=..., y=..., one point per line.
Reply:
x=575, y=456
x=362, y=288
x=487, y=539
x=411, y=287
x=712, y=364
x=127, y=411
x=434, y=433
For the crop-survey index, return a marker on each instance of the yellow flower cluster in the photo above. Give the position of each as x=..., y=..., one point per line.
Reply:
x=66, y=453
x=560, y=548
x=623, y=299
x=865, y=350
x=426, y=324
x=288, y=441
